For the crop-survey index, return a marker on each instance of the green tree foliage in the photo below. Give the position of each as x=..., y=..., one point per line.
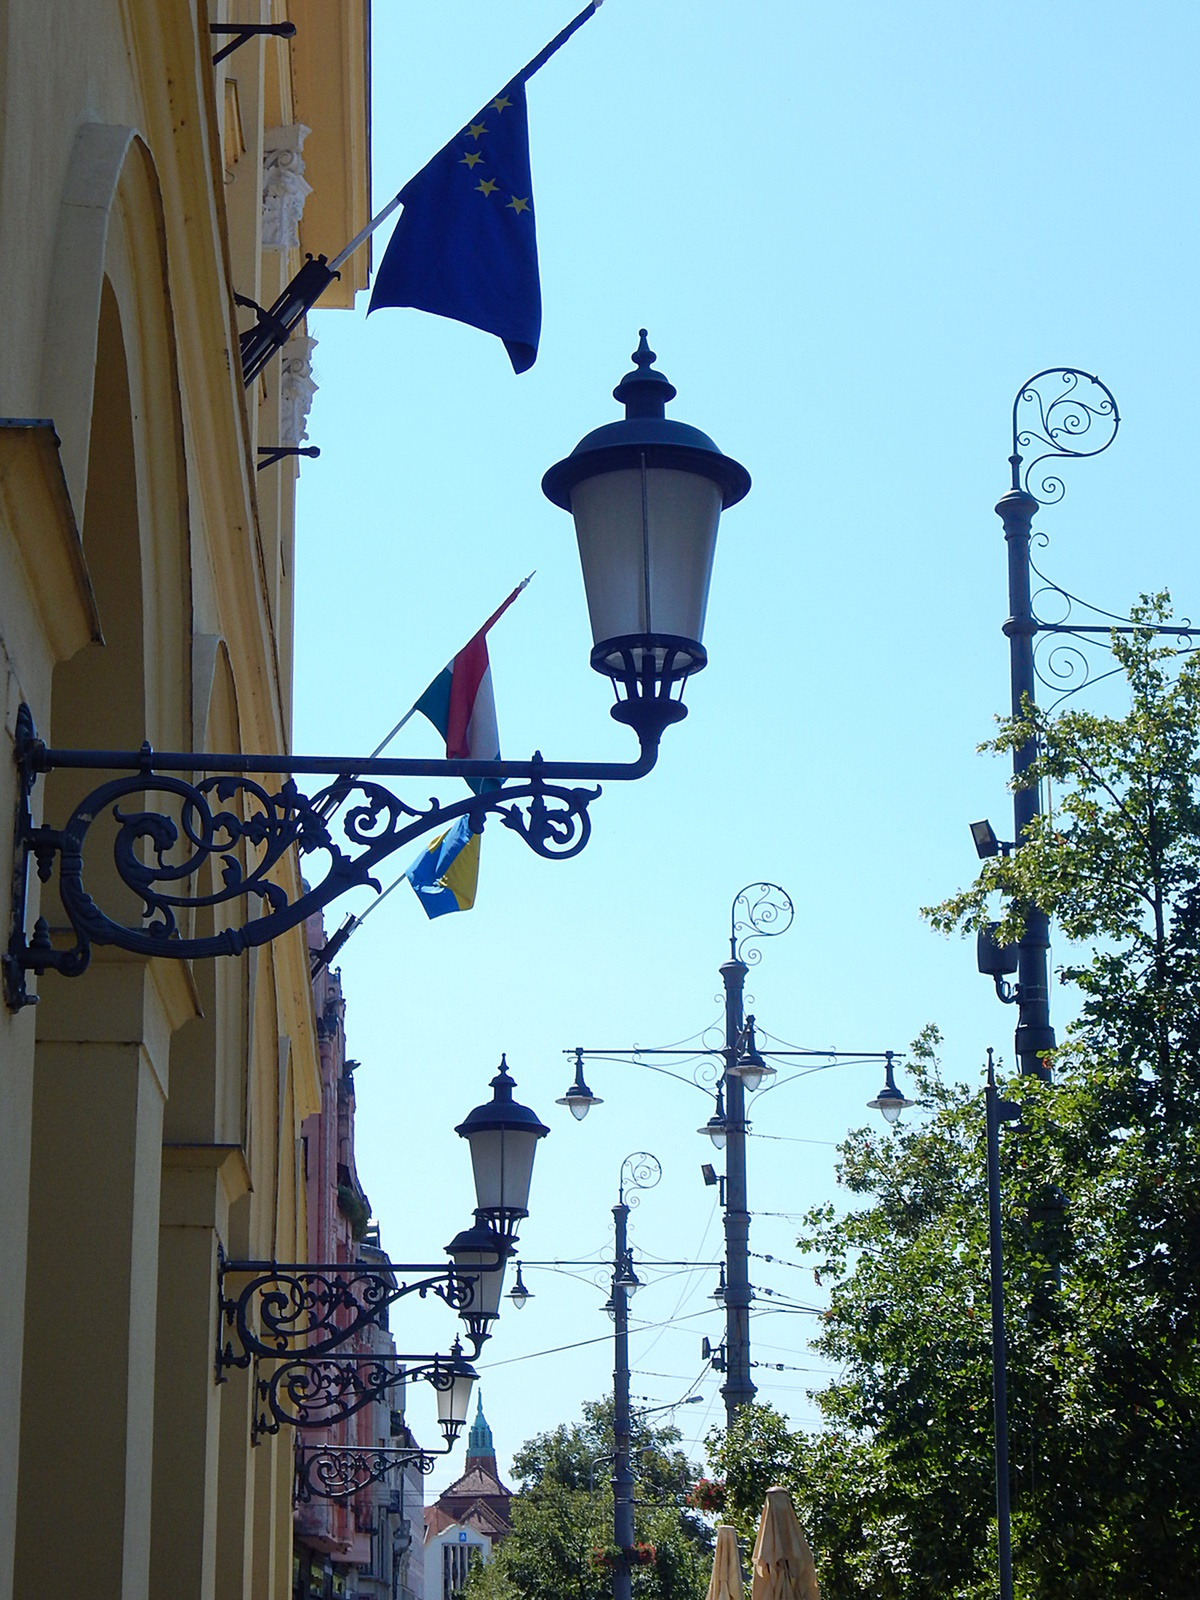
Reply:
x=1101, y=1205
x=563, y=1518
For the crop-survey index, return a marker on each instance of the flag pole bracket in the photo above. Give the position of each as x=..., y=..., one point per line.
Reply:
x=276, y=452
x=243, y=32
x=183, y=855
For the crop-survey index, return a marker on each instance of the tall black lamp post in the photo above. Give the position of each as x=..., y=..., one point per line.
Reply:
x=1054, y=414
x=638, y=1171
x=1059, y=414
x=761, y=910
x=196, y=836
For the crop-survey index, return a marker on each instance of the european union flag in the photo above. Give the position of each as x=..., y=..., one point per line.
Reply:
x=465, y=246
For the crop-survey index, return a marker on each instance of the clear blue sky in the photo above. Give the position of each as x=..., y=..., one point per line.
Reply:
x=852, y=231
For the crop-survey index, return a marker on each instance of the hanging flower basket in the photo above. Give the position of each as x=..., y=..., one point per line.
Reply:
x=708, y=1494
x=608, y=1557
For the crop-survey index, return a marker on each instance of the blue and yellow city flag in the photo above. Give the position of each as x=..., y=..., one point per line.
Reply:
x=445, y=876
x=466, y=244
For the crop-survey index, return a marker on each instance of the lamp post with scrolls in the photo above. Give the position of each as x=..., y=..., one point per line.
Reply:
x=1059, y=414
x=759, y=911
x=195, y=837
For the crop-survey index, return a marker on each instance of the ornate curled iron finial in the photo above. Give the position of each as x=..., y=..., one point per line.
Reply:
x=759, y=911
x=1060, y=422
x=640, y=1170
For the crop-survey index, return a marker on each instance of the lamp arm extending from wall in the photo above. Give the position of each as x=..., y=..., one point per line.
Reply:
x=340, y=1472
x=302, y=1393
x=308, y=1308
x=241, y=829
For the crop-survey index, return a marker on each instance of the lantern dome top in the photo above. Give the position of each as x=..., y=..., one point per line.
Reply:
x=502, y=1111
x=645, y=434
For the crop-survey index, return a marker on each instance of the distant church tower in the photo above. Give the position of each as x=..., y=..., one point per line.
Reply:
x=481, y=1451
x=469, y=1519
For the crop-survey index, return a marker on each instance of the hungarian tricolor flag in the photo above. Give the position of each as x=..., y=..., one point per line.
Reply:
x=460, y=703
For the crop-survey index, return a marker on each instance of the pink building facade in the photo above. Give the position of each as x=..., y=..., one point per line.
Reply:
x=368, y=1547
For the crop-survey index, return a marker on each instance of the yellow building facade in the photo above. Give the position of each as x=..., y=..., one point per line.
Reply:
x=150, y=1110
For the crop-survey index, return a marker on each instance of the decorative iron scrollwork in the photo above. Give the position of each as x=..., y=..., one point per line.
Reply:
x=640, y=1170
x=317, y=1393
x=337, y=1473
x=189, y=847
x=308, y=1309
x=759, y=911
x=1066, y=667
x=1062, y=422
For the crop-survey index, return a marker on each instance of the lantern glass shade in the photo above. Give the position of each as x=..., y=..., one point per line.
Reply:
x=502, y=1159
x=480, y=1257
x=647, y=538
x=454, y=1401
x=889, y=1109
x=503, y=1137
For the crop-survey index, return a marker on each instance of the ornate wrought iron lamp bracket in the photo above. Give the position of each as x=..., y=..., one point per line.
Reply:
x=306, y=1309
x=338, y=1473
x=195, y=844
x=306, y=1393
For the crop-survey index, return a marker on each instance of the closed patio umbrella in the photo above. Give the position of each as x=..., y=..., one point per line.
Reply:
x=726, y=1580
x=783, y=1563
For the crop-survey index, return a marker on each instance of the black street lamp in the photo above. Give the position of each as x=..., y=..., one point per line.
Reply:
x=206, y=833
x=647, y=494
x=503, y=1137
x=759, y=911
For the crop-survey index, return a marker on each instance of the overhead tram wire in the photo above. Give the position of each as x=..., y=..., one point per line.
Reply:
x=603, y=1338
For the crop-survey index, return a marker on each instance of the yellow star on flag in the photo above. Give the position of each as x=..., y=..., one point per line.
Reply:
x=486, y=186
x=471, y=159
x=501, y=102
x=476, y=129
x=518, y=205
